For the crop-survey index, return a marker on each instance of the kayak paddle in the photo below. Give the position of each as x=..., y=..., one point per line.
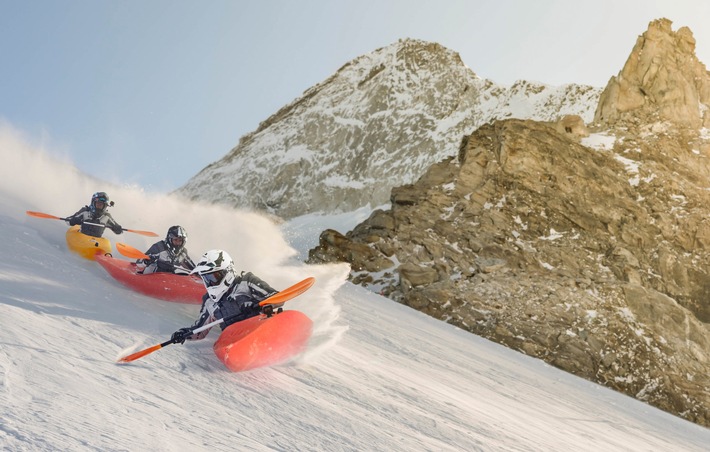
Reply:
x=54, y=217
x=149, y=350
x=129, y=251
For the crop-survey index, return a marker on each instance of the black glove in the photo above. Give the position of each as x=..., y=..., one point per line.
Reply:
x=117, y=229
x=74, y=221
x=180, y=335
x=251, y=307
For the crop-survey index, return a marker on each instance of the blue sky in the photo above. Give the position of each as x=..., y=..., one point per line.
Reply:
x=150, y=92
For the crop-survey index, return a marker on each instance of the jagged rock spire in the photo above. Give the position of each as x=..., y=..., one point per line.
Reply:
x=662, y=80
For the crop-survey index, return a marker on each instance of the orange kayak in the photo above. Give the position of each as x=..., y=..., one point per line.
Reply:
x=263, y=341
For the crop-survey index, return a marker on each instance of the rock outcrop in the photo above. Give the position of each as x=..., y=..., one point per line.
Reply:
x=584, y=246
x=593, y=260
x=662, y=80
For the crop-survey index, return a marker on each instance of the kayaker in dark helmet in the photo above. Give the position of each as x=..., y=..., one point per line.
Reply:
x=169, y=255
x=229, y=296
x=94, y=218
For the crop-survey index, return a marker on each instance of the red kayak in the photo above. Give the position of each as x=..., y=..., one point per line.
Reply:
x=263, y=341
x=164, y=286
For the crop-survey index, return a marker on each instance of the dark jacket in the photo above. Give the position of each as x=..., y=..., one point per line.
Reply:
x=164, y=258
x=94, y=224
x=240, y=302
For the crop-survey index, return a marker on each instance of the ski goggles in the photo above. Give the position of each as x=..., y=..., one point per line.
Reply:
x=214, y=278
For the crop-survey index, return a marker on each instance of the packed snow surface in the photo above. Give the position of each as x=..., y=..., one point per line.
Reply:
x=376, y=376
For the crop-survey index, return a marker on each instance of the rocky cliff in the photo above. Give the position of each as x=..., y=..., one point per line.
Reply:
x=662, y=80
x=378, y=122
x=585, y=246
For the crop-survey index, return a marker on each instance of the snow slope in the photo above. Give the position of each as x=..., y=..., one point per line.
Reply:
x=377, y=375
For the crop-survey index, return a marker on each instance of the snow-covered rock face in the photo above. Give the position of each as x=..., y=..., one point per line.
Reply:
x=379, y=122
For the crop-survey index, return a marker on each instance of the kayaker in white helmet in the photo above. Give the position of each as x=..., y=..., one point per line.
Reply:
x=229, y=296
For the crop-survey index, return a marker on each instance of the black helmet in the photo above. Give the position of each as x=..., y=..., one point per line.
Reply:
x=176, y=232
x=99, y=197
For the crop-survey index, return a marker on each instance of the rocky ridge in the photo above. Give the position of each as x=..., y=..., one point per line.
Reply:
x=378, y=122
x=583, y=245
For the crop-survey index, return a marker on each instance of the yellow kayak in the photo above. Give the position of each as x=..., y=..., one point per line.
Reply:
x=85, y=245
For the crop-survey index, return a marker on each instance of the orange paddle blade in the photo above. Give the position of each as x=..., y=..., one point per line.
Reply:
x=293, y=291
x=140, y=354
x=146, y=233
x=43, y=215
x=129, y=251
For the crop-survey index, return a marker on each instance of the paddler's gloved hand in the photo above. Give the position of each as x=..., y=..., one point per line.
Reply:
x=180, y=335
x=251, y=307
x=117, y=229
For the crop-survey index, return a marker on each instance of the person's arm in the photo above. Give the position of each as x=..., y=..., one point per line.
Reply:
x=152, y=254
x=165, y=265
x=206, y=316
x=78, y=217
x=187, y=264
x=258, y=287
x=111, y=223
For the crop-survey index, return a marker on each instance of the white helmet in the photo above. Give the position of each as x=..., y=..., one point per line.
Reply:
x=216, y=268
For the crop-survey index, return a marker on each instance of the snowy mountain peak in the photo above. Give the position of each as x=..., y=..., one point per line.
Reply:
x=378, y=122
